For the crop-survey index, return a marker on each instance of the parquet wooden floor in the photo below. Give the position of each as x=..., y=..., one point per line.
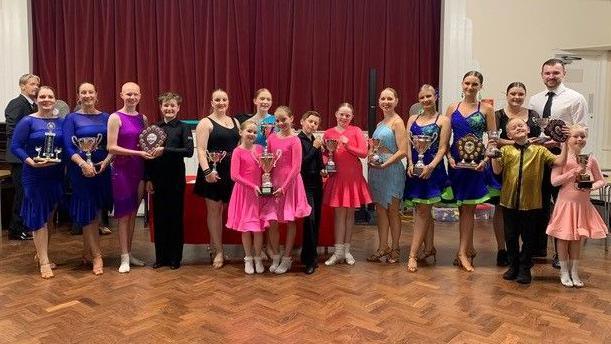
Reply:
x=367, y=303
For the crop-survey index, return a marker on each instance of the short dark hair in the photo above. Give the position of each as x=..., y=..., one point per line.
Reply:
x=168, y=96
x=310, y=113
x=552, y=62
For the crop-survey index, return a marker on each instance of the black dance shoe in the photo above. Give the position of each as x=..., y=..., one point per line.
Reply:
x=524, y=276
x=175, y=266
x=511, y=273
x=501, y=258
x=157, y=265
x=309, y=269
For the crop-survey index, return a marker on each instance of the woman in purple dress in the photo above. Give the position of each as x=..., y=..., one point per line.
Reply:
x=124, y=128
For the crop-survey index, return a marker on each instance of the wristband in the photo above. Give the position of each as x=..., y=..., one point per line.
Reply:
x=207, y=172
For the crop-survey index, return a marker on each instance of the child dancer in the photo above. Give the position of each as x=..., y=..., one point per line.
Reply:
x=521, y=165
x=244, y=210
x=574, y=216
x=346, y=189
x=291, y=202
x=311, y=168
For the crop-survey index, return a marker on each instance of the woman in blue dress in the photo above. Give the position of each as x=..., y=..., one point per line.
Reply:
x=387, y=176
x=263, y=102
x=430, y=184
x=470, y=186
x=42, y=179
x=91, y=181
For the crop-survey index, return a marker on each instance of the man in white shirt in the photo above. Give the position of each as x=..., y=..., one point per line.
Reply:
x=556, y=102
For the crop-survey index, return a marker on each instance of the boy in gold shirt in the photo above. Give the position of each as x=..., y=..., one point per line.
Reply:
x=521, y=165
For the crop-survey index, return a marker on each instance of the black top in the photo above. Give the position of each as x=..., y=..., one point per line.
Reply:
x=15, y=110
x=502, y=119
x=311, y=163
x=169, y=169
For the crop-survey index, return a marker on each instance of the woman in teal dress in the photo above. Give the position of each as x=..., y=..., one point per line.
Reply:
x=387, y=176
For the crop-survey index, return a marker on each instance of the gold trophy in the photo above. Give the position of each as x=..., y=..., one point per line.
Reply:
x=215, y=158
x=492, y=151
x=331, y=146
x=267, y=161
x=470, y=151
x=583, y=180
x=87, y=145
x=421, y=144
x=48, y=152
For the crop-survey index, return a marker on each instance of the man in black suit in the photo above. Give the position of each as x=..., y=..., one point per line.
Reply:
x=16, y=109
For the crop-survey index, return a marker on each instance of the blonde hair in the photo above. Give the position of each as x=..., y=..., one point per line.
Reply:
x=578, y=126
x=392, y=90
x=286, y=109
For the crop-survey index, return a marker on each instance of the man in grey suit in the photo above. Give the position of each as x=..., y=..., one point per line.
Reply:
x=16, y=109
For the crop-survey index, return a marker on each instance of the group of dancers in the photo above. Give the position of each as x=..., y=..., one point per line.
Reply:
x=302, y=181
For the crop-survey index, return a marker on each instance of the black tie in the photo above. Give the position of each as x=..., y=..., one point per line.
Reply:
x=547, y=109
x=34, y=107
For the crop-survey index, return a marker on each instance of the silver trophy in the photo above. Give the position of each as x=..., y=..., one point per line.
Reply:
x=267, y=161
x=492, y=151
x=87, y=145
x=266, y=129
x=215, y=158
x=421, y=144
x=331, y=146
x=375, y=158
x=48, y=152
x=542, y=123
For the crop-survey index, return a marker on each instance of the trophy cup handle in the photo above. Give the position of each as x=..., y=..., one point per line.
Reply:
x=277, y=156
x=98, y=139
x=434, y=137
x=75, y=141
x=223, y=155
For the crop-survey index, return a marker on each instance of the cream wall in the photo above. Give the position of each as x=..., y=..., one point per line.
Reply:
x=15, y=43
x=508, y=41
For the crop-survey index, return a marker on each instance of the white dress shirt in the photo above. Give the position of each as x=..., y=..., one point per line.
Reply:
x=567, y=105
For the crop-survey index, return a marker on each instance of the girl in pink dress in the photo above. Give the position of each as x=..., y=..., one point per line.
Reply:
x=244, y=213
x=346, y=189
x=290, y=197
x=574, y=215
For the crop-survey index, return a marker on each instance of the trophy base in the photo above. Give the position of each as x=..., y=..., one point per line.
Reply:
x=54, y=160
x=267, y=191
x=467, y=165
x=330, y=169
x=584, y=184
x=417, y=172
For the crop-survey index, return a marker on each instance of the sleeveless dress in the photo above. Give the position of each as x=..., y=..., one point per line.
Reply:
x=347, y=187
x=245, y=211
x=127, y=171
x=42, y=187
x=220, y=139
x=574, y=215
x=292, y=203
x=388, y=183
x=470, y=186
x=89, y=194
x=437, y=186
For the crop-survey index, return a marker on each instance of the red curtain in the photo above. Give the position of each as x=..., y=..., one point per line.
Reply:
x=311, y=54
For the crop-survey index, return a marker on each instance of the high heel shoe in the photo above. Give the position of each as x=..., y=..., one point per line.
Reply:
x=394, y=256
x=51, y=264
x=412, y=264
x=45, y=271
x=425, y=254
x=218, y=261
x=464, y=263
x=98, y=265
x=471, y=254
x=379, y=255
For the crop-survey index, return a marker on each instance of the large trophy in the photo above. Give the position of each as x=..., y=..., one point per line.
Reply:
x=267, y=161
x=421, y=144
x=493, y=151
x=151, y=138
x=48, y=152
x=331, y=145
x=215, y=157
x=542, y=123
x=87, y=145
x=470, y=151
x=583, y=179
x=555, y=129
x=374, y=146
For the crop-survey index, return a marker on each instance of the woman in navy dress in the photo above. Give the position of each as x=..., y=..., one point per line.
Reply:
x=42, y=180
x=91, y=185
x=432, y=185
x=470, y=186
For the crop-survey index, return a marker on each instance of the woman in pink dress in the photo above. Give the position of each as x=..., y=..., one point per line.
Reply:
x=574, y=216
x=290, y=197
x=244, y=211
x=346, y=189
x=124, y=128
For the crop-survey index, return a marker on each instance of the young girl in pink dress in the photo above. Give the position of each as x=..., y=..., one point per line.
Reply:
x=244, y=213
x=290, y=197
x=346, y=189
x=574, y=216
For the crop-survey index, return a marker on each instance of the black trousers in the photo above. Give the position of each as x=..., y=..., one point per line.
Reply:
x=311, y=224
x=168, y=221
x=548, y=193
x=16, y=225
x=520, y=224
